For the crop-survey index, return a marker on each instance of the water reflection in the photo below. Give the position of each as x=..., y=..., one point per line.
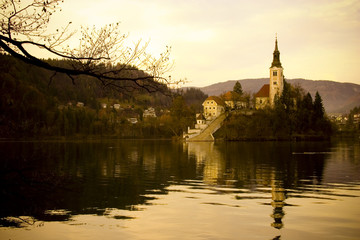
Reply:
x=278, y=198
x=272, y=168
x=208, y=161
x=58, y=181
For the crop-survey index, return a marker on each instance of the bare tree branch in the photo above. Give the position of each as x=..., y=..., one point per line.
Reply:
x=102, y=53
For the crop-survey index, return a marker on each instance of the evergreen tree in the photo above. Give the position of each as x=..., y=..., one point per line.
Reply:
x=194, y=97
x=286, y=97
x=304, y=114
x=238, y=88
x=307, y=102
x=318, y=106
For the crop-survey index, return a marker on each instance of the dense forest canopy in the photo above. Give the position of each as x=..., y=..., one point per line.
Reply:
x=33, y=106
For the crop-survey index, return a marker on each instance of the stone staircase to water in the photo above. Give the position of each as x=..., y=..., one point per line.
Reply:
x=207, y=134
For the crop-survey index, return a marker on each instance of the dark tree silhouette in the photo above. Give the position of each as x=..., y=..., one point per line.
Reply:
x=318, y=107
x=102, y=53
x=238, y=88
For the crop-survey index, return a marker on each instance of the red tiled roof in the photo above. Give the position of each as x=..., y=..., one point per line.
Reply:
x=230, y=95
x=218, y=100
x=264, y=91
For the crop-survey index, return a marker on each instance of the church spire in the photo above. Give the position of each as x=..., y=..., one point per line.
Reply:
x=276, y=55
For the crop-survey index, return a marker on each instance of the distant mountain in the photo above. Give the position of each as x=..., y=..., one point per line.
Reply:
x=337, y=97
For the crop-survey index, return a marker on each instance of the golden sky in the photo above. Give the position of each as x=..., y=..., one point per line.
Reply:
x=218, y=40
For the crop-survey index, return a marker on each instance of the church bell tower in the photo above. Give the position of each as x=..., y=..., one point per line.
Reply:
x=276, y=76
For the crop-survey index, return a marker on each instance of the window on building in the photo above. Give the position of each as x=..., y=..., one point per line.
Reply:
x=213, y=107
x=212, y=102
x=275, y=83
x=260, y=101
x=274, y=73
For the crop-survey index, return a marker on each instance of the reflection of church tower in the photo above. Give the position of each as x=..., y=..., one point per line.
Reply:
x=278, y=198
x=276, y=75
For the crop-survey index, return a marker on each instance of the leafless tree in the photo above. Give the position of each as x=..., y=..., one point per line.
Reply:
x=101, y=54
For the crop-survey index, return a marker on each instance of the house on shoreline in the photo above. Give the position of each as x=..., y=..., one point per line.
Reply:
x=213, y=107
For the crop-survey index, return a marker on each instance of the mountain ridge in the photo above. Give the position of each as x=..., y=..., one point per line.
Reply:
x=337, y=97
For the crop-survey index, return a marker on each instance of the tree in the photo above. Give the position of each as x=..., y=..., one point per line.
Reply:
x=102, y=53
x=194, y=97
x=304, y=113
x=286, y=97
x=318, y=107
x=308, y=102
x=238, y=88
x=353, y=124
x=181, y=116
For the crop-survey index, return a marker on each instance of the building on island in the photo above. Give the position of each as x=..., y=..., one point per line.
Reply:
x=200, y=121
x=262, y=97
x=267, y=94
x=234, y=100
x=213, y=107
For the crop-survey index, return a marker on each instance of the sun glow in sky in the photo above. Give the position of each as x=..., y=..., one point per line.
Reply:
x=218, y=40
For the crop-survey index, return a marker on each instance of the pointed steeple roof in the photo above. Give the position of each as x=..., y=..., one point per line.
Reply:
x=276, y=56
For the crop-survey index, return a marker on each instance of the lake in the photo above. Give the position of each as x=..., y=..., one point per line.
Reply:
x=124, y=189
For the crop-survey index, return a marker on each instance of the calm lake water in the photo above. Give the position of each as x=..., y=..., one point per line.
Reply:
x=164, y=190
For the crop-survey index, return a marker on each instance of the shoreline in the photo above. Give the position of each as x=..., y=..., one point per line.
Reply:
x=295, y=138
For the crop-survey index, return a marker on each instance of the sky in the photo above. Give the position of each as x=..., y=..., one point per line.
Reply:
x=219, y=40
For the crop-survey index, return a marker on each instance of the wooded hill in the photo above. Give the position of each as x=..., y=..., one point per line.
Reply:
x=35, y=102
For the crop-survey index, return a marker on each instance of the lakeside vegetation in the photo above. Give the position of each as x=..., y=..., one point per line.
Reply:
x=36, y=104
x=350, y=128
x=294, y=116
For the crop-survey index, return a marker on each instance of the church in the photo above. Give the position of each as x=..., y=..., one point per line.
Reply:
x=266, y=95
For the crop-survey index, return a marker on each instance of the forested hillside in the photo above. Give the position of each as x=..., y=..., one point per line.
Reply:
x=35, y=102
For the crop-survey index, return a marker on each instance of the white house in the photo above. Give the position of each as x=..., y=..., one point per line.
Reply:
x=200, y=121
x=116, y=106
x=213, y=107
x=150, y=112
x=79, y=104
x=133, y=120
